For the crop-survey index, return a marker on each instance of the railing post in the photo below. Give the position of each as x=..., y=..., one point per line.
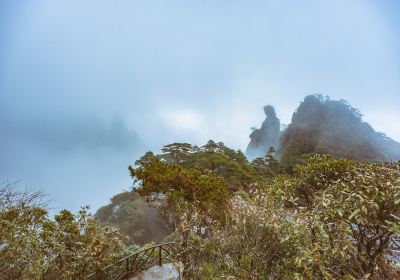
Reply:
x=159, y=256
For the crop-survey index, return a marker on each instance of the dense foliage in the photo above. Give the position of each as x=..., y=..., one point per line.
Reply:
x=333, y=219
x=213, y=158
x=328, y=218
x=33, y=246
x=190, y=176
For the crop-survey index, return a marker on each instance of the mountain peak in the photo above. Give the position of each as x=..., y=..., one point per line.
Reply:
x=322, y=125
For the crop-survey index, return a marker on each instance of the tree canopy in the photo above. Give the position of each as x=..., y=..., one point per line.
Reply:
x=330, y=219
x=34, y=246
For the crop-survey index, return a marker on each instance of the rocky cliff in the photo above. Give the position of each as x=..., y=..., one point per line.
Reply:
x=322, y=125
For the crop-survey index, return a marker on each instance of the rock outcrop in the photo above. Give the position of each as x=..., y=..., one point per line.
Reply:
x=322, y=125
x=265, y=137
x=167, y=271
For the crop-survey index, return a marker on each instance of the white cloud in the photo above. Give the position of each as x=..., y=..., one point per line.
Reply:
x=183, y=120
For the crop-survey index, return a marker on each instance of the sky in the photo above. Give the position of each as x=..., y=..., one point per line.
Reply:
x=88, y=86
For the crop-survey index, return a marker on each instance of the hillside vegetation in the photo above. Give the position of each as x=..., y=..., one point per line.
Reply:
x=324, y=205
x=230, y=218
x=35, y=246
x=326, y=219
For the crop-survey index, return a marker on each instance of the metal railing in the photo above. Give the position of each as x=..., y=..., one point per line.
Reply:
x=137, y=262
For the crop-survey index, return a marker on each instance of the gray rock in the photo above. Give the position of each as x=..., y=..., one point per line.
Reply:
x=167, y=271
x=265, y=137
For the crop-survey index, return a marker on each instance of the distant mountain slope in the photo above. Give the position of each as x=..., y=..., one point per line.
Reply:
x=321, y=125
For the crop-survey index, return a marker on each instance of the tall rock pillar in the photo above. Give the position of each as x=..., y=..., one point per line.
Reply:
x=265, y=137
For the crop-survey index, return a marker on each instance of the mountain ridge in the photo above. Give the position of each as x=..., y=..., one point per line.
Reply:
x=323, y=125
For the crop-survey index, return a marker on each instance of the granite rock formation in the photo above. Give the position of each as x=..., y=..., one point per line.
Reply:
x=265, y=137
x=322, y=125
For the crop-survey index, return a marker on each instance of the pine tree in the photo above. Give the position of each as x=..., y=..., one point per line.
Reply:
x=176, y=152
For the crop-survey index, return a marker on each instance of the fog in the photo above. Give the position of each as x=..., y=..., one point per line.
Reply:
x=87, y=86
